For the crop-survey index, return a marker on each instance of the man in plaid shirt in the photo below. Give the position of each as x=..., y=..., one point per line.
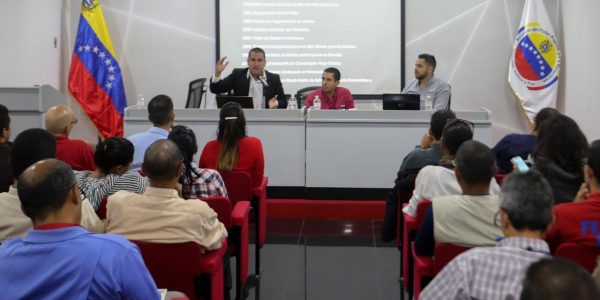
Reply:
x=497, y=272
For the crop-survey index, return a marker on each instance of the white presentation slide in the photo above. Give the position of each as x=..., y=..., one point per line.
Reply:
x=301, y=39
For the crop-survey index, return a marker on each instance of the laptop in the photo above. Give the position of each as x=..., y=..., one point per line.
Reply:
x=244, y=101
x=401, y=101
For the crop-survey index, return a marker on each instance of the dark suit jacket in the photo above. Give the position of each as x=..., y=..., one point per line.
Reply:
x=237, y=84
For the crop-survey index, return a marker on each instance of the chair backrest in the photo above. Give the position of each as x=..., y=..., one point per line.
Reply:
x=422, y=207
x=195, y=93
x=303, y=92
x=173, y=266
x=582, y=255
x=238, y=185
x=444, y=253
x=101, y=211
x=222, y=206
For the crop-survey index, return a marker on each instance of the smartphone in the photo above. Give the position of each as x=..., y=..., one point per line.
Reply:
x=520, y=164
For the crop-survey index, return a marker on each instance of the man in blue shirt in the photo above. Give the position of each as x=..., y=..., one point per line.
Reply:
x=58, y=259
x=160, y=113
x=428, y=85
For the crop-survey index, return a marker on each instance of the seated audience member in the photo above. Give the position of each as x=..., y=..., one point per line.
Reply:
x=429, y=152
x=498, y=272
x=160, y=215
x=434, y=181
x=332, y=95
x=515, y=144
x=577, y=222
x=264, y=87
x=160, y=113
x=558, y=279
x=113, y=158
x=59, y=259
x=426, y=84
x=557, y=155
x=233, y=150
x=466, y=220
x=6, y=176
x=13, y=223
x=60, y=120
x=196, y=182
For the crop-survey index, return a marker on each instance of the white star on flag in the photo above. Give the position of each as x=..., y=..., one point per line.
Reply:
x=80, y=48
x=111, y=77
x=102, y=55
x=540, y=62
x=87, y=47
x=542, y=68
x=538, y=57
x=542, y=74
x=530, y=48
x=95, y=49
x=534, y=52
x=107, y=61
x=108, y=85
x=111, y=68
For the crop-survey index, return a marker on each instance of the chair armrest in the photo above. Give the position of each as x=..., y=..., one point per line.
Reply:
x=257, y=191
x=240, y=213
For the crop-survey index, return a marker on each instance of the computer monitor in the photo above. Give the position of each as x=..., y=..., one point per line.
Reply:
x=401, y=101
x=244, y=101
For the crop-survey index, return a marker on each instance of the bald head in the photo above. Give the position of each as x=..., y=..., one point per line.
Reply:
x=60, y=120
x=44, y=188
x=162, y=161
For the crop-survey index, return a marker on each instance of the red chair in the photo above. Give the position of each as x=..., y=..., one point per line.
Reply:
x=444, y=253
x=408, y=235
x=101, y=211
x=422, y=265
x=174, y=266
x=499, y=178
x=236, y=219
x=239, y=188
x=582, y=255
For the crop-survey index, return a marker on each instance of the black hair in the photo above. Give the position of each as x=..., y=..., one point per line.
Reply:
x=476, y=163
x=439, y=120
x=558, y=279
x=429, y=59
x=44, y=191
x=185, y=139
x=29, y=147
x=456, y=132
x=4, y=118
x=232, y=128
x=594, y=159
x=336, y=73
x=544, y=114
x=160, y=109
x=560, y=141
x=113, y=152
x=257, y=50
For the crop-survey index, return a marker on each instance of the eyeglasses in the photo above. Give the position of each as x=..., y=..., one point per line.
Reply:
x=457, y=122
x=497, y=219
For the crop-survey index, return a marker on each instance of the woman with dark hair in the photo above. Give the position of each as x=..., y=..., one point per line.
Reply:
x=515, y=144
x=113, y=158
x=233, y=150
x=559, y=152
x=196, y=182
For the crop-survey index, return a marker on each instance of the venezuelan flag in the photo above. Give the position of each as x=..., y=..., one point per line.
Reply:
x=95, y=76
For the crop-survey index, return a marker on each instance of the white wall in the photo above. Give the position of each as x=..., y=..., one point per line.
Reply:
x=162, y=45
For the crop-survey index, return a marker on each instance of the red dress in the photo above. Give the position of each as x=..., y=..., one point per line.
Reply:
x=251, y=158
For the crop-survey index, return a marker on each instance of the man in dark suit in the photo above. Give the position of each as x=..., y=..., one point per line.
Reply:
x=264, y=87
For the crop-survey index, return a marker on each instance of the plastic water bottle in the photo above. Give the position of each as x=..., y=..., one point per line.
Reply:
x=428, y=103
x=141, y=102
x=317, y=103
x=292, y=103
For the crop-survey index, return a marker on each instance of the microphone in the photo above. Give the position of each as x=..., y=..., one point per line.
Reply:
x=263, y=81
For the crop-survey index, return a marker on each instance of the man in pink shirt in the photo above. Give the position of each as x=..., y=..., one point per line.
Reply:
x=331, y=94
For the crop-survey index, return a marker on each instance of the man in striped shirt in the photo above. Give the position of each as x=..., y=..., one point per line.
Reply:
x=497, y=272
